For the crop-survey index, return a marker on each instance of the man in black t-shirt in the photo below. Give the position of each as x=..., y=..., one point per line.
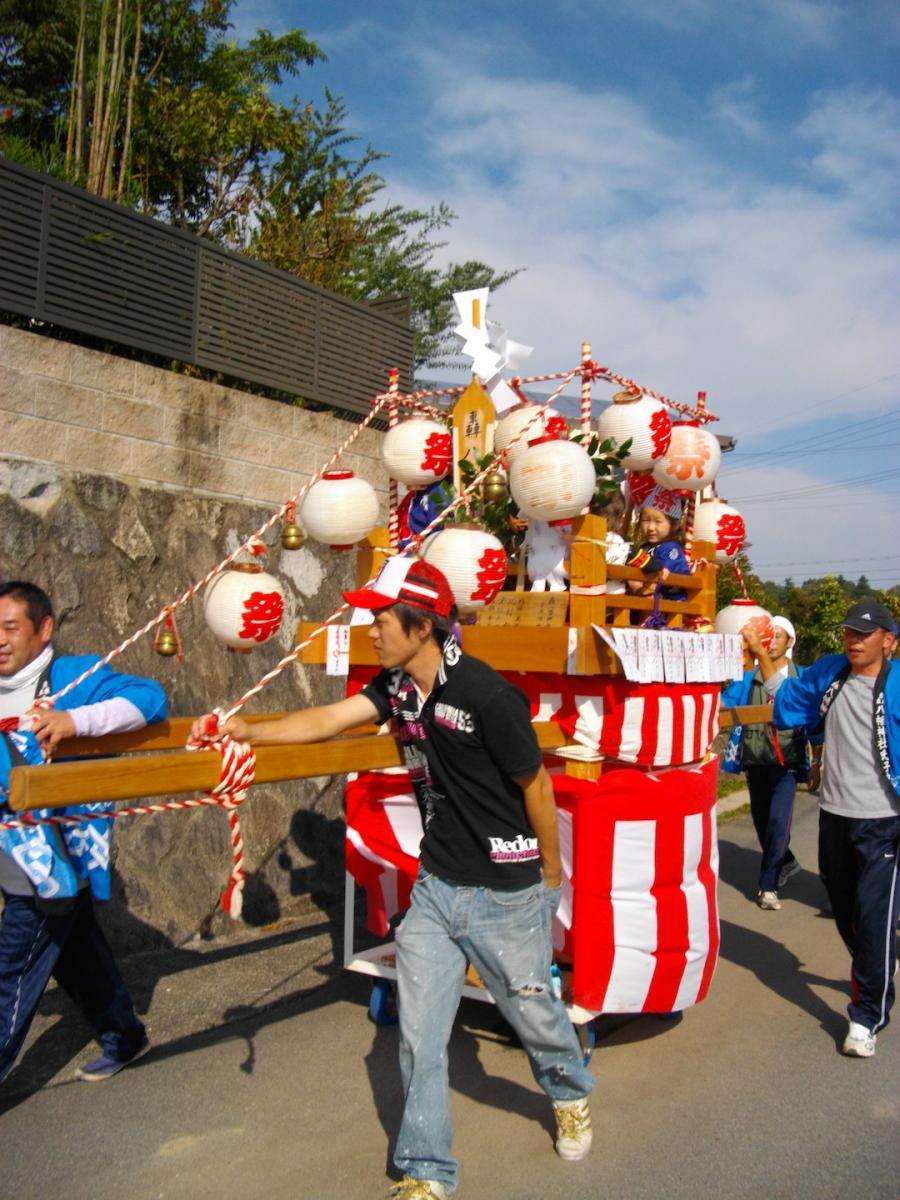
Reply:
x=490, y=874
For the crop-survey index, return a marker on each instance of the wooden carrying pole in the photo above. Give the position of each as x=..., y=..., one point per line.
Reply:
x=163, y=774
x=115, y=779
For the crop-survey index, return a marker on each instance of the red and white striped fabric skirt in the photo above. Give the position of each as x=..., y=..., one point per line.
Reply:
x=639, y=918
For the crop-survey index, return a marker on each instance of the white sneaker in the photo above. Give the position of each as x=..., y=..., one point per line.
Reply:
x=417, y=1189
x=859, y=1042
x=573, y=1129
x=768, y=900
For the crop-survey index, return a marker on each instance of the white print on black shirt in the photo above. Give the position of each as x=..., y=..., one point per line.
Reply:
x=520, y=849
x=454, y=718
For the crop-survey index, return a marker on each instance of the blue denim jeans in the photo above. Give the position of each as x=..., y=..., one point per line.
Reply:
x=506, y=936
x=68, y=944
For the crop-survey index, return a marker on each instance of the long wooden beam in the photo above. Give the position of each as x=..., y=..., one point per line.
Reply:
x=160, y=774
x=116, y=779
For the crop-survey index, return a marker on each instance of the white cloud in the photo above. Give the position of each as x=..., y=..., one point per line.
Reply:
x=804, y=536
x=770, y=294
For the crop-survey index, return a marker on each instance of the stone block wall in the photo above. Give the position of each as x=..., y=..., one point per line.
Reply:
x=121, y=484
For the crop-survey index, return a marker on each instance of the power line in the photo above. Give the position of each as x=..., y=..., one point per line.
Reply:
x=818, y=405
x=787, y=493
x=806, y=444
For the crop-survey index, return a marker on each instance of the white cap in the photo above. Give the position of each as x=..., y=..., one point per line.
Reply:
x=785, y=624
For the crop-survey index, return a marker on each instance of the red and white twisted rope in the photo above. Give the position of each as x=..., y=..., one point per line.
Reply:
x=696, y=414
x=586, y=377
x=393, y=490
x=476, y=482
x=169, y=609
x=237, y=775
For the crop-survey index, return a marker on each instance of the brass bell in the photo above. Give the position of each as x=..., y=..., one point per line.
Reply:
x=166, y=643
x=292, y=537
x=494, y=488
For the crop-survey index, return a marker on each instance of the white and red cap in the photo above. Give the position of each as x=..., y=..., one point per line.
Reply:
x=406, y=580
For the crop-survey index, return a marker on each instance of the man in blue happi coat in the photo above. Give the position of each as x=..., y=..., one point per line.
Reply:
x=854, y=699
x=49, y=875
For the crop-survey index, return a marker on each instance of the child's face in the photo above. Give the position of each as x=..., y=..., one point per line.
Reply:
x=654, y=526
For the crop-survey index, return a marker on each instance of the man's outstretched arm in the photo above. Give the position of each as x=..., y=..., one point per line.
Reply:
x=297, y=728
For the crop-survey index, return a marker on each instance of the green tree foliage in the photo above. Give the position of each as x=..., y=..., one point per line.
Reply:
x=152, y=104
x=815, y=608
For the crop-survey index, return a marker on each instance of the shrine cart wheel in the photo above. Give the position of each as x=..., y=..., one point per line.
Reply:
x=382, y=1004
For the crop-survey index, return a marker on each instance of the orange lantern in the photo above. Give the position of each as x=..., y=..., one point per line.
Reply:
x=743, y=611
x=691, y=461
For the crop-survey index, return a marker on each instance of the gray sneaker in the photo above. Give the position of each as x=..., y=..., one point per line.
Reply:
x=789, y=869
x=768, y=900
x=573, y=1129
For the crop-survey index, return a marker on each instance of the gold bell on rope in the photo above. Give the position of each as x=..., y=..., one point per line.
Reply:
x=166, y=643
x=494, y=488
x=291, y=534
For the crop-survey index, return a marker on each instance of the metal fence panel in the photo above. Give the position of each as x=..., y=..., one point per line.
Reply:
x=84, y=264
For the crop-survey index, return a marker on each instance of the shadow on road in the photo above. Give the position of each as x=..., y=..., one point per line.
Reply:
x=739, y=868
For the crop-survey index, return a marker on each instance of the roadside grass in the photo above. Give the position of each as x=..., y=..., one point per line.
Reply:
x=727, y=785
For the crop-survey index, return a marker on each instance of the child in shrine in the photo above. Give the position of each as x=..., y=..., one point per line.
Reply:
x=660, y=552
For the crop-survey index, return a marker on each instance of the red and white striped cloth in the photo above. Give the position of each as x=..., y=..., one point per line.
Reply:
x=638, y=919
x=647, y=724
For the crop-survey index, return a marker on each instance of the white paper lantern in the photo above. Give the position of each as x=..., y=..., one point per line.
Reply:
x=530, y=421
x=691, y=461
x=473, y=562
x=553, y=480
x=339, y=510
x=741, y=612
x=418, y=452
x=719, y=523
x=243, y=606
x=645, y=420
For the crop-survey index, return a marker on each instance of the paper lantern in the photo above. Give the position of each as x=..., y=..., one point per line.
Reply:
x=741, y=612
x=691, y=461
x=418, y=452
x=719, y=523
x=339, y=510
x=473, y=562
x=553, y=480
x=530, y=421
x=243, y=606
x=644, y=420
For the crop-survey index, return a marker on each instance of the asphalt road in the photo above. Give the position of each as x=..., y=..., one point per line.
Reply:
x=267, y=1079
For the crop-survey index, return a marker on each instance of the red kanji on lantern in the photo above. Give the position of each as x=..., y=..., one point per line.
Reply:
x=491, y=575
x=660, y=432
x=639, y=487
x=437, y=454
x=730, y=533
x=262, y=615
x=692, y=456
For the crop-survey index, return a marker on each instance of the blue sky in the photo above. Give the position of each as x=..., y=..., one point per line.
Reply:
x=707, y=192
